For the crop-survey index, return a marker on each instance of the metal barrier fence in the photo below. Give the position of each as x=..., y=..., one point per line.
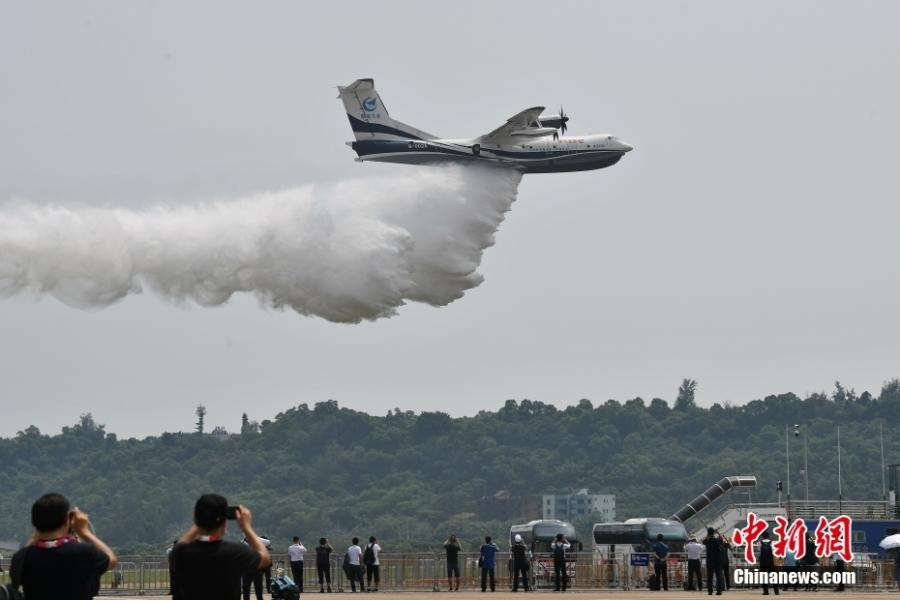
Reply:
x=149, y=575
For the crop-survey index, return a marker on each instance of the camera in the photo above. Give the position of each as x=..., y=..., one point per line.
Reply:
x=231, y=513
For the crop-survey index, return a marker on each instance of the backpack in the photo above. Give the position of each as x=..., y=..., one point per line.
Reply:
x=559, y=551
x=369, y=555
x=283, y=587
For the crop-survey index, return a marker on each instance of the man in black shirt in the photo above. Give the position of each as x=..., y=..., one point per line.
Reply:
x=323, y=563
x=767, y=560
x=205, y=566
x=714, y=551
x=520, y=563
x=63, y=560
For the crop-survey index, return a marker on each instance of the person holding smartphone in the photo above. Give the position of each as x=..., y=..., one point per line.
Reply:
x=204, y=564
x=558, y=548
x=63, y=559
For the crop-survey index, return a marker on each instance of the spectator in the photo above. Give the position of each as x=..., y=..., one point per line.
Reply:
x=354, y=572
x=323, y=564
x=63, y=559
x=838, y=571
x=452, y=547
x=660, y=556
x=370, y=558
x=268, y=570
x=767, y=561
x=296, y=552
x=561, y=575
x=790, y=566
x=726, y=560
x=204, y=564
x=693, y=550
x=171, y=577
x=255, y=576
x=520, y=563
x=713, y=562
x=488, y=562
x=809, y=563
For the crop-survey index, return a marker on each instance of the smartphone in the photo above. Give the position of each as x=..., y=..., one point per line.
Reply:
x=231, y=513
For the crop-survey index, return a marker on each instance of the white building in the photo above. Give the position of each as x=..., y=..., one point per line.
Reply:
x=567, y=507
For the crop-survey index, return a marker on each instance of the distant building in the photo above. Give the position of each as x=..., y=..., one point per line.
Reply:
x=221, y=434
x=568, y=507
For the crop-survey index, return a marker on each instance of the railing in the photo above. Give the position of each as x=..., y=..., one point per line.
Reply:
x=856, y=509
x=149, y=575
x=812, y=509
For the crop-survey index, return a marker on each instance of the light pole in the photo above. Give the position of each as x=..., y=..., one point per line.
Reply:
x=805, y=468
x=883, y=487
x=787, y=459
x=840, y=487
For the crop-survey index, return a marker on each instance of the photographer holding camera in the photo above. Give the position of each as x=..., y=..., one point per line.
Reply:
x=203, y=564
x=63, y=560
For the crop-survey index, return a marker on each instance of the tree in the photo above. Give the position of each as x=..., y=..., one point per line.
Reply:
x=200, y=412
x=300, y=471
x=685, y=398
x=248, y=427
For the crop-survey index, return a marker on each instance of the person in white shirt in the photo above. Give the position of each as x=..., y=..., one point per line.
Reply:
x=296, y=551
x=370, y=558
x=354, y=572
x=693, y=549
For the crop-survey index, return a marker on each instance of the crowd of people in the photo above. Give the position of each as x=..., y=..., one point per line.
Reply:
x=203, y=564
x=64, y=559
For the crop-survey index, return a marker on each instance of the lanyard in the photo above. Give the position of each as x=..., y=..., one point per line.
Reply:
x=54, y=543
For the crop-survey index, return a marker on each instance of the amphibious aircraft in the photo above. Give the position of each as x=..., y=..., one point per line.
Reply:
x=528, y=141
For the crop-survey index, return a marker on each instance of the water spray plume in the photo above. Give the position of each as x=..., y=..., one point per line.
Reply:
x=348, y=252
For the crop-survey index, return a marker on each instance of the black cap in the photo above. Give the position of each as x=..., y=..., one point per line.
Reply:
x=210, y=511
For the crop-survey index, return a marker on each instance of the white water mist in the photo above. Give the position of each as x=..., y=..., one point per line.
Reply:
x=346, y=252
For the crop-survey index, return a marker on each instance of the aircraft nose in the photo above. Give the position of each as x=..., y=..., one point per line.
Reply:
x=625, y=146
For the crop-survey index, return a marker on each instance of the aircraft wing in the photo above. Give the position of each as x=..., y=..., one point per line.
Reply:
x=523, y=120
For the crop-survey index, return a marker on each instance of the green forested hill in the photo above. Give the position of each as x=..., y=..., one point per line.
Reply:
x=412, y=478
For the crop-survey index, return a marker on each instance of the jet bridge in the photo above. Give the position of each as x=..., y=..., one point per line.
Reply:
x=713, y=493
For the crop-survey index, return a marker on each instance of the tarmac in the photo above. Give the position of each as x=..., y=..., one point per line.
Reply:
x=590, y=594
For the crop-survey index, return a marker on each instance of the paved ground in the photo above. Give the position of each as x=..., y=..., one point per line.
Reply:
x=586, y=595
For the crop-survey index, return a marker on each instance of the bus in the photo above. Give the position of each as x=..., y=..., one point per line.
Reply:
x=538, y=535
x=638, y=535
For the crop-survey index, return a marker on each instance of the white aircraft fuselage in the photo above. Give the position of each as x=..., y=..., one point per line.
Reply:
x=526, y=141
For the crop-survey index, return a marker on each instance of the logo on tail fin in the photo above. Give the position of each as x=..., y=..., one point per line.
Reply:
x=370, y=104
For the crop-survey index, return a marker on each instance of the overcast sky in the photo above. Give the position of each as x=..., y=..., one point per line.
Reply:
x=750, y=240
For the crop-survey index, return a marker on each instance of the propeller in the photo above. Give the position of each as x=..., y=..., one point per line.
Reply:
x=563, y=119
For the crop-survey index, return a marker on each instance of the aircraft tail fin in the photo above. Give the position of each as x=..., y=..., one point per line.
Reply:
x=370, y=119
